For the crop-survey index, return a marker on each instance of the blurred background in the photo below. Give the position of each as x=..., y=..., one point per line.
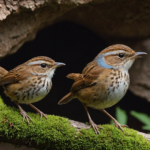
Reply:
x=75, y=45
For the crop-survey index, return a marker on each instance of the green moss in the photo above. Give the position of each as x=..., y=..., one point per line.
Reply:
x=56, y=133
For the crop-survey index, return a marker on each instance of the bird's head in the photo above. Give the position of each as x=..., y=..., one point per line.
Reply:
x=117, y=56
x=43, y=66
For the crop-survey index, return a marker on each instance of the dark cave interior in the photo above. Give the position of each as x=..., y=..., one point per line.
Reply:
x=74, y=45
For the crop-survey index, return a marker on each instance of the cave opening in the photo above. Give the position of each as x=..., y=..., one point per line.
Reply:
x=75, y=46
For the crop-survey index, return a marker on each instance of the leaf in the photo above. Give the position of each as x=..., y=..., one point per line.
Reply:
x=121, y=116
x=1, y=101
x=111, y=122
x=144, y=118
x=146, y=127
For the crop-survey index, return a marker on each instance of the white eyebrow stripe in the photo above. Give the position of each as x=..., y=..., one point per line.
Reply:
x=114, y=52
x=36, y=62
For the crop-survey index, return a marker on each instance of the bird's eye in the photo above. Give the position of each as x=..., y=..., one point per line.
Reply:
x=43, y=65
x=121, y=55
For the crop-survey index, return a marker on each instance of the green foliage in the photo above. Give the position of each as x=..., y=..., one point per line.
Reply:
x=56, y=133
x=144, y=118
x=2, y=102
x=121, y=116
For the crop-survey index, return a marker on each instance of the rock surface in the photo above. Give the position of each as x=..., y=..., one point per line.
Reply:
x=140, y=74
x=20, y=20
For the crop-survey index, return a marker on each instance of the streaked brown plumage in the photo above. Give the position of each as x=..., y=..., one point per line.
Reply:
x=104, y=81
x=29, y=82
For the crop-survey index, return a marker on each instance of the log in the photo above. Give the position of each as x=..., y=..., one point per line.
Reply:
x=61, y=133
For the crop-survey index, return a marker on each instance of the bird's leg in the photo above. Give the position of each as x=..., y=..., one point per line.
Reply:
x=23, y=113
x=94, y=126
x=114, y=120
x=39, y=112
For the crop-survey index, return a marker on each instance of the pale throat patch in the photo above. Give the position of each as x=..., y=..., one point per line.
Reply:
x=51, y=73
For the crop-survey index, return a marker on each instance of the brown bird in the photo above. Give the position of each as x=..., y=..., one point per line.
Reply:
x=104, y=81
x=29, y=82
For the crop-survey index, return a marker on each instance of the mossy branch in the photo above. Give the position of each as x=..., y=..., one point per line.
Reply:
x=59, y=133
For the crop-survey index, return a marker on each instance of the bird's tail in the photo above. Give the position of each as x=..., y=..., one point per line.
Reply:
x=67, y=98
x=3, y=72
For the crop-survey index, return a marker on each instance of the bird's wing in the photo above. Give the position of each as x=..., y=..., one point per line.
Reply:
x=15, y=75
x=88, y=77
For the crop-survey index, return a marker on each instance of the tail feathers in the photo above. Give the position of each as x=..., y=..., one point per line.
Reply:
x=67, y=98
x=73, y=76
x=3, y=72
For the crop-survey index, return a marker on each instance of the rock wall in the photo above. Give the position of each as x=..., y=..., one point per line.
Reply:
x=110, y=19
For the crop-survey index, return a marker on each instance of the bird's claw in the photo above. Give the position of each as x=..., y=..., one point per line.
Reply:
x=42, y=114
x=25, y=116
x=95, y=127
x=119, y=126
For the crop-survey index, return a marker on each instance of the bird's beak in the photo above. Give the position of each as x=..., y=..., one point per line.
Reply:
x=138, y=55
x=58, y=64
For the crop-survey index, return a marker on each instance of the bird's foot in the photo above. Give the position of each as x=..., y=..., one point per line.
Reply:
x=38, y=111
x=95, y=127
x=25, y=116
x=41, y=114
x=119, y=126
